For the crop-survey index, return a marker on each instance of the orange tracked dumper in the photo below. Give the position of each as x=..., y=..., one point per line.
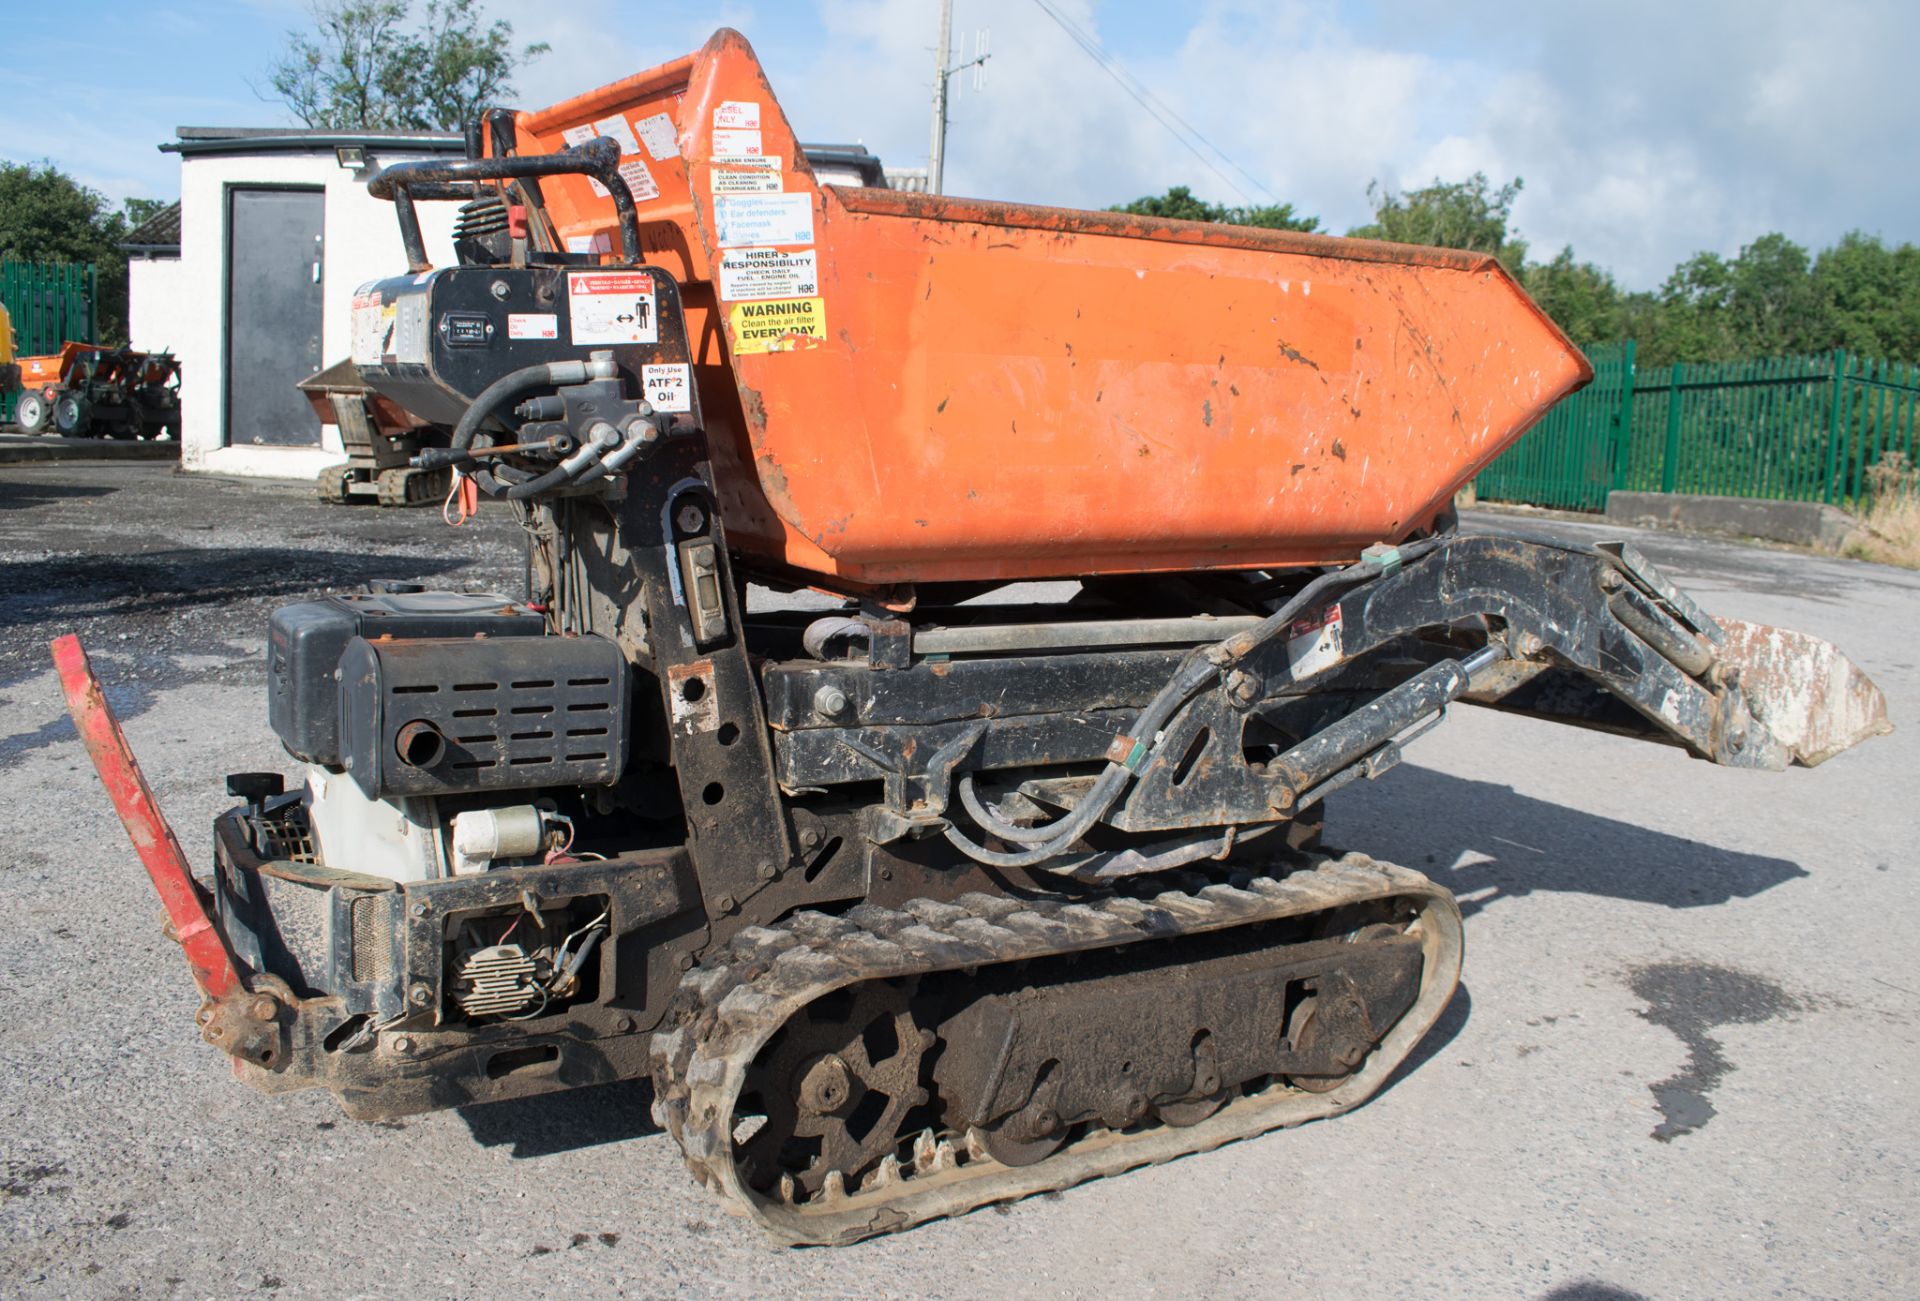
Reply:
x=936, y=894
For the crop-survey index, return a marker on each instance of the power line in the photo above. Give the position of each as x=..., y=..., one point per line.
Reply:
x=1155, y=107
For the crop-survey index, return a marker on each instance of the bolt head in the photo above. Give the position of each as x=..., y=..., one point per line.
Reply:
x=623, y=1024
x=499, y=290
x=403, y=1045
x=418, y=909
x=264, y=1007
x=830, y=702
x=690, y=518
x=420, y=995
x=724, y=903
x=684, y=961
x=768, y=871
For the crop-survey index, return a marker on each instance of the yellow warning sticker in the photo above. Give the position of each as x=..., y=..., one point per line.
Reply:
x=778, y=325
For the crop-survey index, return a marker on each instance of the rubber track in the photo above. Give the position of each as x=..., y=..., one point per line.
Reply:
x=728, y=1008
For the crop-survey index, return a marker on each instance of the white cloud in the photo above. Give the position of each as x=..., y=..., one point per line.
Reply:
x=1645, y=130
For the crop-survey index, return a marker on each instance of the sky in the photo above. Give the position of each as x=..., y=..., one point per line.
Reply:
x=1645, y=131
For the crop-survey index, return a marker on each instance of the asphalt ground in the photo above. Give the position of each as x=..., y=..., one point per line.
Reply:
x=1681, y=1064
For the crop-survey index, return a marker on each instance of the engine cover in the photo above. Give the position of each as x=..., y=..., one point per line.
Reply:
x=440, y=716
x=305, y=642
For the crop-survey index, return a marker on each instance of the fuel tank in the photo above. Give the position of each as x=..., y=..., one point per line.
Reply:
x=906, y=387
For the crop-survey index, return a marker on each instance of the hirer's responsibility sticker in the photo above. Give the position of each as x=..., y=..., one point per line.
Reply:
x=764, y=219
x=737, y=113
x=658, y=135
x=773, y=326
x=768, y=273
x=616, y=128
x=612, y=307
x=408, y=342
x=532, y=325
x=747, y=162
x=726, y=141
x=1314, y=643
x=668, y=388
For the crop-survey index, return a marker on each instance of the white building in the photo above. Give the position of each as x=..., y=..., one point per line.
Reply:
x=275, y=232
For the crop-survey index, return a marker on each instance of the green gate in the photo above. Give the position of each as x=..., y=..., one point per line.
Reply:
x=1780, y=428
x=1573, y=458
x=50, y=304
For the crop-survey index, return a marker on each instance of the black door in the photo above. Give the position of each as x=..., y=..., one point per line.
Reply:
x=274, y=270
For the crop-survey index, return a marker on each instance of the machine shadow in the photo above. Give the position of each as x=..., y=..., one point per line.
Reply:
x=78, y=588
x=1429, y=821
x=19, y=494
x=1424, y=819
x=552, y=1123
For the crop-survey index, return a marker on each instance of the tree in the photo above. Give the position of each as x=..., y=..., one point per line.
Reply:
x=1869, y=296
x=1181, y=204
x=1581, y=298
x=1467, y=214
x=364, y=68
x=47, y=216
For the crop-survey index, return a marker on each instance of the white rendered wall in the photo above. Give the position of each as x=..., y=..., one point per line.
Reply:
x=360, y=242
x=156, y=304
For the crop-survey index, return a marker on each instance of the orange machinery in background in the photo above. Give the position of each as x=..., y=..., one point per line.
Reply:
x=90, y=388
x=910, y=387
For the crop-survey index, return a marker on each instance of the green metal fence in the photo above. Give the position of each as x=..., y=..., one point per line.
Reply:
x=1784, y=428
x=49, y=304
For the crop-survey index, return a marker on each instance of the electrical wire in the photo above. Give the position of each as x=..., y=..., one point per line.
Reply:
x=1154, y=105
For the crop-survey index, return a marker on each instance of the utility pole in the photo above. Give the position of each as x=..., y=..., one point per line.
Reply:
x=936, y=158
x=937, y=155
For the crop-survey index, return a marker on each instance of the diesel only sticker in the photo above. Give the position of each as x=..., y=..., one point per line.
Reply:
x=776, y=326
x=768, y=273
x=746, y=219
x=668, y=388
x=612, y=307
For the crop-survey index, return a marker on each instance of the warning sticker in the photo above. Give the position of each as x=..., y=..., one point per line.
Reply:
x=736, y=142
x=616, y=128
x=764, y=219
x=752, y=273
x=600, y=243
x=728, y=182
x=638, y=179
x=369, y=326
x=408, y=340
x=612, y=307
x=577, y=135
x=1314, y=643
x=668, y=388
x=657, y=134
x=737, y=114
x=532, y=325
x=777, y=326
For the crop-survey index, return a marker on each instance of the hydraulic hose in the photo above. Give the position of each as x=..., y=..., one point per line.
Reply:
x=601, y=439
x=512, y=385
x=1198, y=667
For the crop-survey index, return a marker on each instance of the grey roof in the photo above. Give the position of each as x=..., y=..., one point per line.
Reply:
x=159, y=233
x=254, y=139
